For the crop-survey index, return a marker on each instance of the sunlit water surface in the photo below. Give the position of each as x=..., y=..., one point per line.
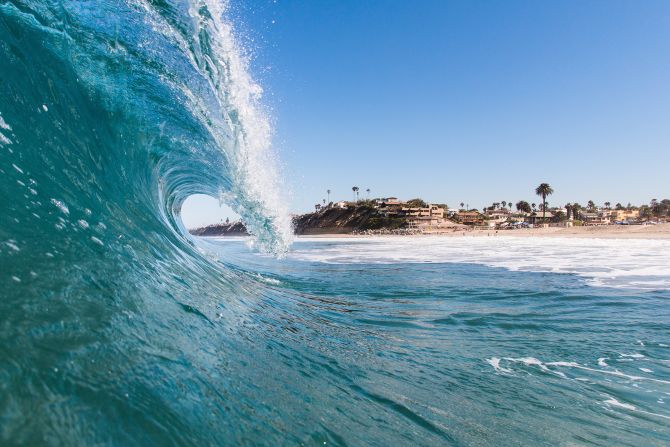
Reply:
x=464, y=341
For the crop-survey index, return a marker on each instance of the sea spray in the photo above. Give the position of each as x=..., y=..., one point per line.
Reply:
x=256, y=190
x=233, y=114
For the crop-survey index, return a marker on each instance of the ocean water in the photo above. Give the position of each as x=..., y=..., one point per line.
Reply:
x=118, y=328
x=465, y=341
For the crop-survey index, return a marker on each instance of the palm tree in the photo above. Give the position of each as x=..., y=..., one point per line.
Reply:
x=328, y=192
x=523, y=206
x=462, y=205
x=317, y=207
x=543, y=191
x=504, y=203
x=607, y=205
x=355, y=190
x=591, y=205
x=575, y=210
x=368, y=191
x=534, y=206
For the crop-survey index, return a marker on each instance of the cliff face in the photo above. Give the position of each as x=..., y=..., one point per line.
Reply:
x=327, y=221
x=233, y=229
x=337, y=220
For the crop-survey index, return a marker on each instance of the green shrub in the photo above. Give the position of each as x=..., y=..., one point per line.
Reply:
x=377, y=223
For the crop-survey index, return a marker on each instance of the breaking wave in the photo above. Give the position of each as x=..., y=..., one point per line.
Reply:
x=119, y=111
x=112, y=113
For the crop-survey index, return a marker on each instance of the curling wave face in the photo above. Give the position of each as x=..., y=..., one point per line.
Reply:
x=137, y=101
x=112, y=113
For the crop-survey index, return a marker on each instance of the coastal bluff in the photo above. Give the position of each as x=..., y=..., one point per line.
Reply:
x=331, y=220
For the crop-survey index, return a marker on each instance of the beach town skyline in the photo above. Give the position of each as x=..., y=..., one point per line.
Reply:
x=199, y=211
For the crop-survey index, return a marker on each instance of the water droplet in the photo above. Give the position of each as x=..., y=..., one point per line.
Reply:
x=61, y=206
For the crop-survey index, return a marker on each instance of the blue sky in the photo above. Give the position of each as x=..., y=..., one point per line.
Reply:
x=464, y=101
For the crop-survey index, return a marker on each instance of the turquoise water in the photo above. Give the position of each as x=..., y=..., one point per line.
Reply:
x=341, y=343
x=116, y=328
x=373, y=350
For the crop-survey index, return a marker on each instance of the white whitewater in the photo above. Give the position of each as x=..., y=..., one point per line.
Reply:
x=624, y=263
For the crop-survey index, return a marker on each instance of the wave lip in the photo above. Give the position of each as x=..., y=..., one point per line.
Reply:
x=240, y=128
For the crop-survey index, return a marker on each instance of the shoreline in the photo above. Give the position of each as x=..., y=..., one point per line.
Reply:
x=659, y=231
x=652, y=232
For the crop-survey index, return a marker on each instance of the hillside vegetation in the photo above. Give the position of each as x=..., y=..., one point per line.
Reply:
x=355, y=218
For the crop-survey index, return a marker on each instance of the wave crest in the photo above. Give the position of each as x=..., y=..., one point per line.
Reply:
x=158, y=94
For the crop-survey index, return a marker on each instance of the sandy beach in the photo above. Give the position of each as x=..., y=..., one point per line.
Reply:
x=659, y=231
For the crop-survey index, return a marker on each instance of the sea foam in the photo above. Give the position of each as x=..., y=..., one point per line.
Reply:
x=621, y=263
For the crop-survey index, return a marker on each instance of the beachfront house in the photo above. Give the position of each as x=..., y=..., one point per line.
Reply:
x=535, y=217
x=596, y=218
x=410, y=211
x=498, y=216
x=518, y=217
x=422, y=218
x=389, y=201
x=423, y=222
x=624, y=215
x=436, y=211
x=429, y=211
x=390, y=206
x=470, y=218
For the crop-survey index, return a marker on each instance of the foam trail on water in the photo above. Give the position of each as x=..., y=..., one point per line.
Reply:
x=619, y=263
